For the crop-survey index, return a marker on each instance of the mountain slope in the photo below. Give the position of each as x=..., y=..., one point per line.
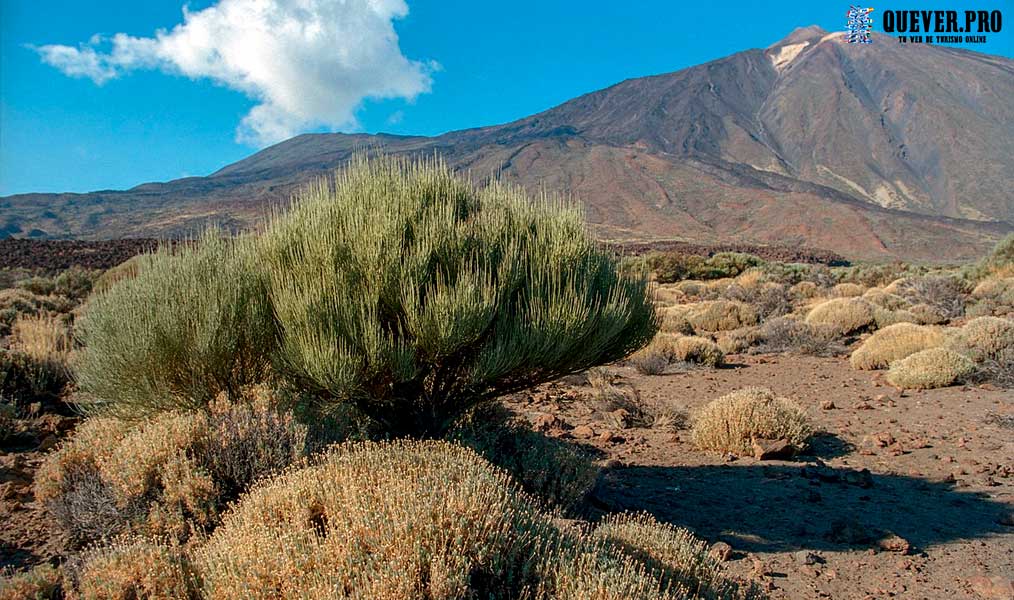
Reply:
x=871, y=151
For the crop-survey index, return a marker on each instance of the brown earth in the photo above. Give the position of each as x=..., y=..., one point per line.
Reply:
x=905, y=495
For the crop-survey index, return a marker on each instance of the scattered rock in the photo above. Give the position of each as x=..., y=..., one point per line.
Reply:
x=850, y=532
x=608, y=437
x=48, y=443
x=894, y=543
x=805, y=557
x=772, y=449
x=582, y=432
x=621, y=417
x=547, y=422
x=882, y=439
x=993, y=588
x=720, y=551
x=862, y=478
x=828, y=405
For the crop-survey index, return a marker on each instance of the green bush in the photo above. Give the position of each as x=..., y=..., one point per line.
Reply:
x=25, y=379
x=670, y=267
x=193, y=323
x=74, y=283
x=412, y=295
x=38, y=285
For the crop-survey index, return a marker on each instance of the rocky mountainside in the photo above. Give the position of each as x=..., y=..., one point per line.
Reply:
x=872, y=151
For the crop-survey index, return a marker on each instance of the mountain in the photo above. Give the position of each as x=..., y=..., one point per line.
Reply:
x=873, y=151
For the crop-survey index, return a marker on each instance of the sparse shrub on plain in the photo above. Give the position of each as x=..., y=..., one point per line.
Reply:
x=134, y=568
x=407, y=292
x=74, y=283
x=673, y=349
x=997, y=369
x=192, y=323
x=171, y=475
x=732, y=422
x=38, y=285
x=804, y=290
x=767, y=299
x=926, y=315
x=25, y=379
x=932, y=368
x=15, y=302
x=893, y=343
x=43, y=582
x=674, y=320
x=413, y=519
x=883, y=317
x=550, y=469
x=46, y=339
x=786, y=334
x=848, y=290
x=738, y=340
x=671, y=550
x=719, y=315
x=984, y=338
x=945, y=294
x=843, y=316
x=878, y=297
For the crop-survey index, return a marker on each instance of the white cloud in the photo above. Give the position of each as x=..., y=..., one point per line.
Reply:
x=308, y=63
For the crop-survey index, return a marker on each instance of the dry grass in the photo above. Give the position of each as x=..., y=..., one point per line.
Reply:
x=984, y=338
x=847, y=290
x=730, y=423
x=135, y=568
x=893, y=343
x=719, y=315
x=927, y=315
x=932, y=368
x=804, y=290
x=43, y=337
x=737, y=340
x=410, y=520
x=843, y=316
x=674, y=320
x=41, y=583
x=786, y=334
x=667, y=349
x=169, y=476
x=879, y=297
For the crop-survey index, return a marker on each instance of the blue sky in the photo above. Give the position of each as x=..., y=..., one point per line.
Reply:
x=180, y=105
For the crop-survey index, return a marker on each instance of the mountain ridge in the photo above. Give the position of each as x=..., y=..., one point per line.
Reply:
x=809, y=140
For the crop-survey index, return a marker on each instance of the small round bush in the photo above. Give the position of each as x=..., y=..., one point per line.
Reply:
x=171, y=475
x=893, y=343
x=667, y=349
x=738, y=340
x=804, y=290
x=719, y=315
x=134, y=568
x=932, y=368
x=44, y=582
x=848, y=290
x=730, y=423
x=985, y=337
x=843, y=316
x=418, y=519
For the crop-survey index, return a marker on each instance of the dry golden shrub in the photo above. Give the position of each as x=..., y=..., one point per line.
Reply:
x=897, y=286
x=894, y=342
x=804, y=290
x=737, y=340
x=43, y=337
x=667, y=349
x=691, y=287
x=730, y=423
x=1000, y=288
x=41, y=583
x=674, y=320
x=134, y=568
x=751, y=278
x=720, y=315
x=671, y=549
x=927, y=315
x=932, y=368
x=883, y=317
x=984, y=338
x=410, y=519
x=847, y=290
x=842, y=315
x=168, y=476
x=879, y=297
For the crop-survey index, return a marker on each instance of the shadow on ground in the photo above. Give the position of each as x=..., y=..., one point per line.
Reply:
x=800, y=506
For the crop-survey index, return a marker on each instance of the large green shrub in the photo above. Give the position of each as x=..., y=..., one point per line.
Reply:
x=193, y=323
x=414, y=296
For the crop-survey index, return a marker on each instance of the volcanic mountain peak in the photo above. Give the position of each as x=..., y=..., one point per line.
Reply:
x=881, y=150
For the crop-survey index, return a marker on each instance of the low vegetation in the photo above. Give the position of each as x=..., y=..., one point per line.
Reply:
x=894, y=342
x=932, y=368
x=733, y=422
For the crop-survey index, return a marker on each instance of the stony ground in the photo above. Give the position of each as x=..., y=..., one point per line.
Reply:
x=905, y=495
